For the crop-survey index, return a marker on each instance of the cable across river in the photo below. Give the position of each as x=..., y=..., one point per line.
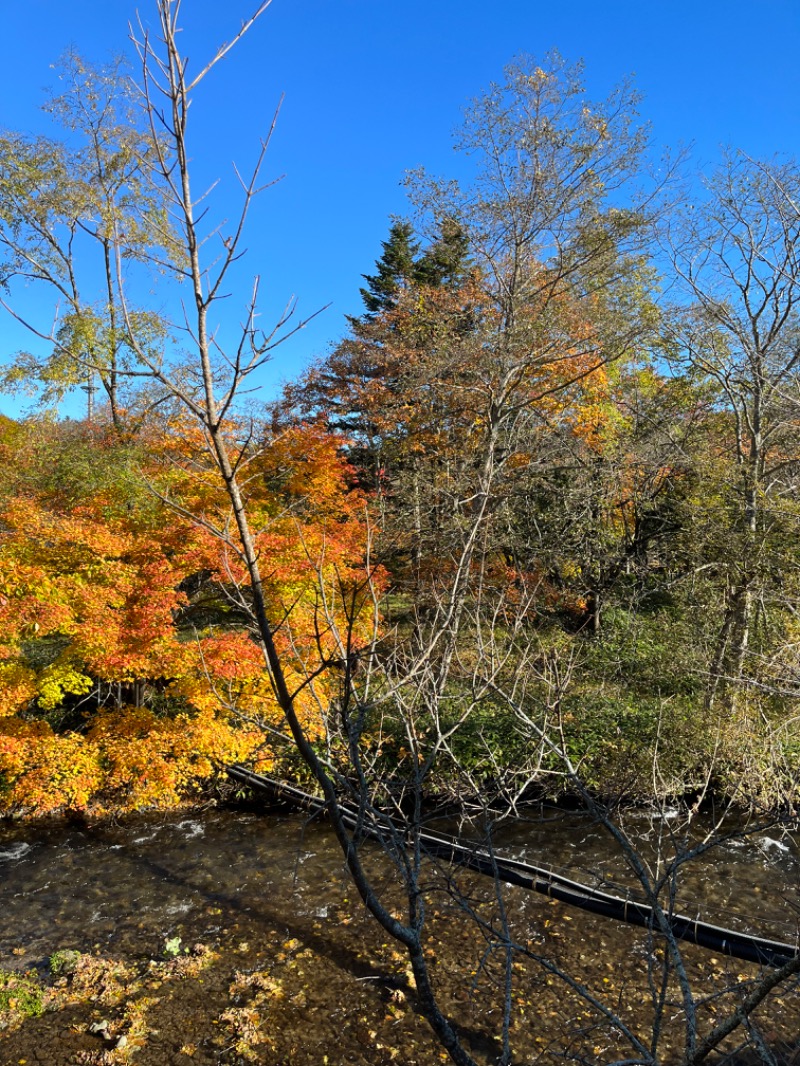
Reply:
x=737, y=945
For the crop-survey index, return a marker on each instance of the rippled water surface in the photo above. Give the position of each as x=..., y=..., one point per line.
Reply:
x=249, y=882
x=118, y=886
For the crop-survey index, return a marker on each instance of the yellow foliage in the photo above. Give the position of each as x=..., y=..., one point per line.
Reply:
x=47, y=772
x=59, y=680
x=17, y=687
x=129, y=759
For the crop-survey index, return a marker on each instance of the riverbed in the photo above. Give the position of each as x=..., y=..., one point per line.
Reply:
x=234, y=936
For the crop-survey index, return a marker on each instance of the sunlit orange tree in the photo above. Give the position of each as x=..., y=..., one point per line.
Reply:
x=127, y=667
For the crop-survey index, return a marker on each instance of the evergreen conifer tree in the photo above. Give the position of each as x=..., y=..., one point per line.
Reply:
x=445, y=263
x=396, y=269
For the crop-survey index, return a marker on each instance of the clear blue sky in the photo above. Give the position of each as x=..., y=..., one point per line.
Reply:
x=373, y=88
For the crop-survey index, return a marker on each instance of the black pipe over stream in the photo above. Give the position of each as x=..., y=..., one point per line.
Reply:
x=729, y=942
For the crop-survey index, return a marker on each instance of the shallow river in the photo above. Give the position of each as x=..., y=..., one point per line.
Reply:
x=268, y=894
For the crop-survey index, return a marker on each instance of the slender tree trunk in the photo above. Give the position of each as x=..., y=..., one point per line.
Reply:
x=110, y=376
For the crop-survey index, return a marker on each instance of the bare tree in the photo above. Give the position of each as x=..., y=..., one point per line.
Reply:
x=737, y=253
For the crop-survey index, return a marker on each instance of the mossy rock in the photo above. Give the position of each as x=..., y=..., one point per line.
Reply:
x=64, y=963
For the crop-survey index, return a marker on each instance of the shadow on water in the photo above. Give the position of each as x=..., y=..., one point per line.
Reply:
x=128, y=887
x=282, y=922
x=226, y=877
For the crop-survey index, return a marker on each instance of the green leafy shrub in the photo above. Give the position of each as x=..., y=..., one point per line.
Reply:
x=21, y=994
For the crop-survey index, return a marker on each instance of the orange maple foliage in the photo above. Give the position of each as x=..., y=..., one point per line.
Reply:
x=127, y=667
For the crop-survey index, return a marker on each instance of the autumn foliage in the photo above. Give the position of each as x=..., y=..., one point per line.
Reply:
x=127, y=671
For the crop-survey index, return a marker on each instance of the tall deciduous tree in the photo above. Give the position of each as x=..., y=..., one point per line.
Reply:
x=554, y=200
x=84, y=205
x=738, y=254
x=557, y=222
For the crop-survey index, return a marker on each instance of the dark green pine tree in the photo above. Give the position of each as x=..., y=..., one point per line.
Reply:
x=445, y=263
x=396, y=270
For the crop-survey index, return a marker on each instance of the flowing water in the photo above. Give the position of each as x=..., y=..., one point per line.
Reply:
x=267, y=895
